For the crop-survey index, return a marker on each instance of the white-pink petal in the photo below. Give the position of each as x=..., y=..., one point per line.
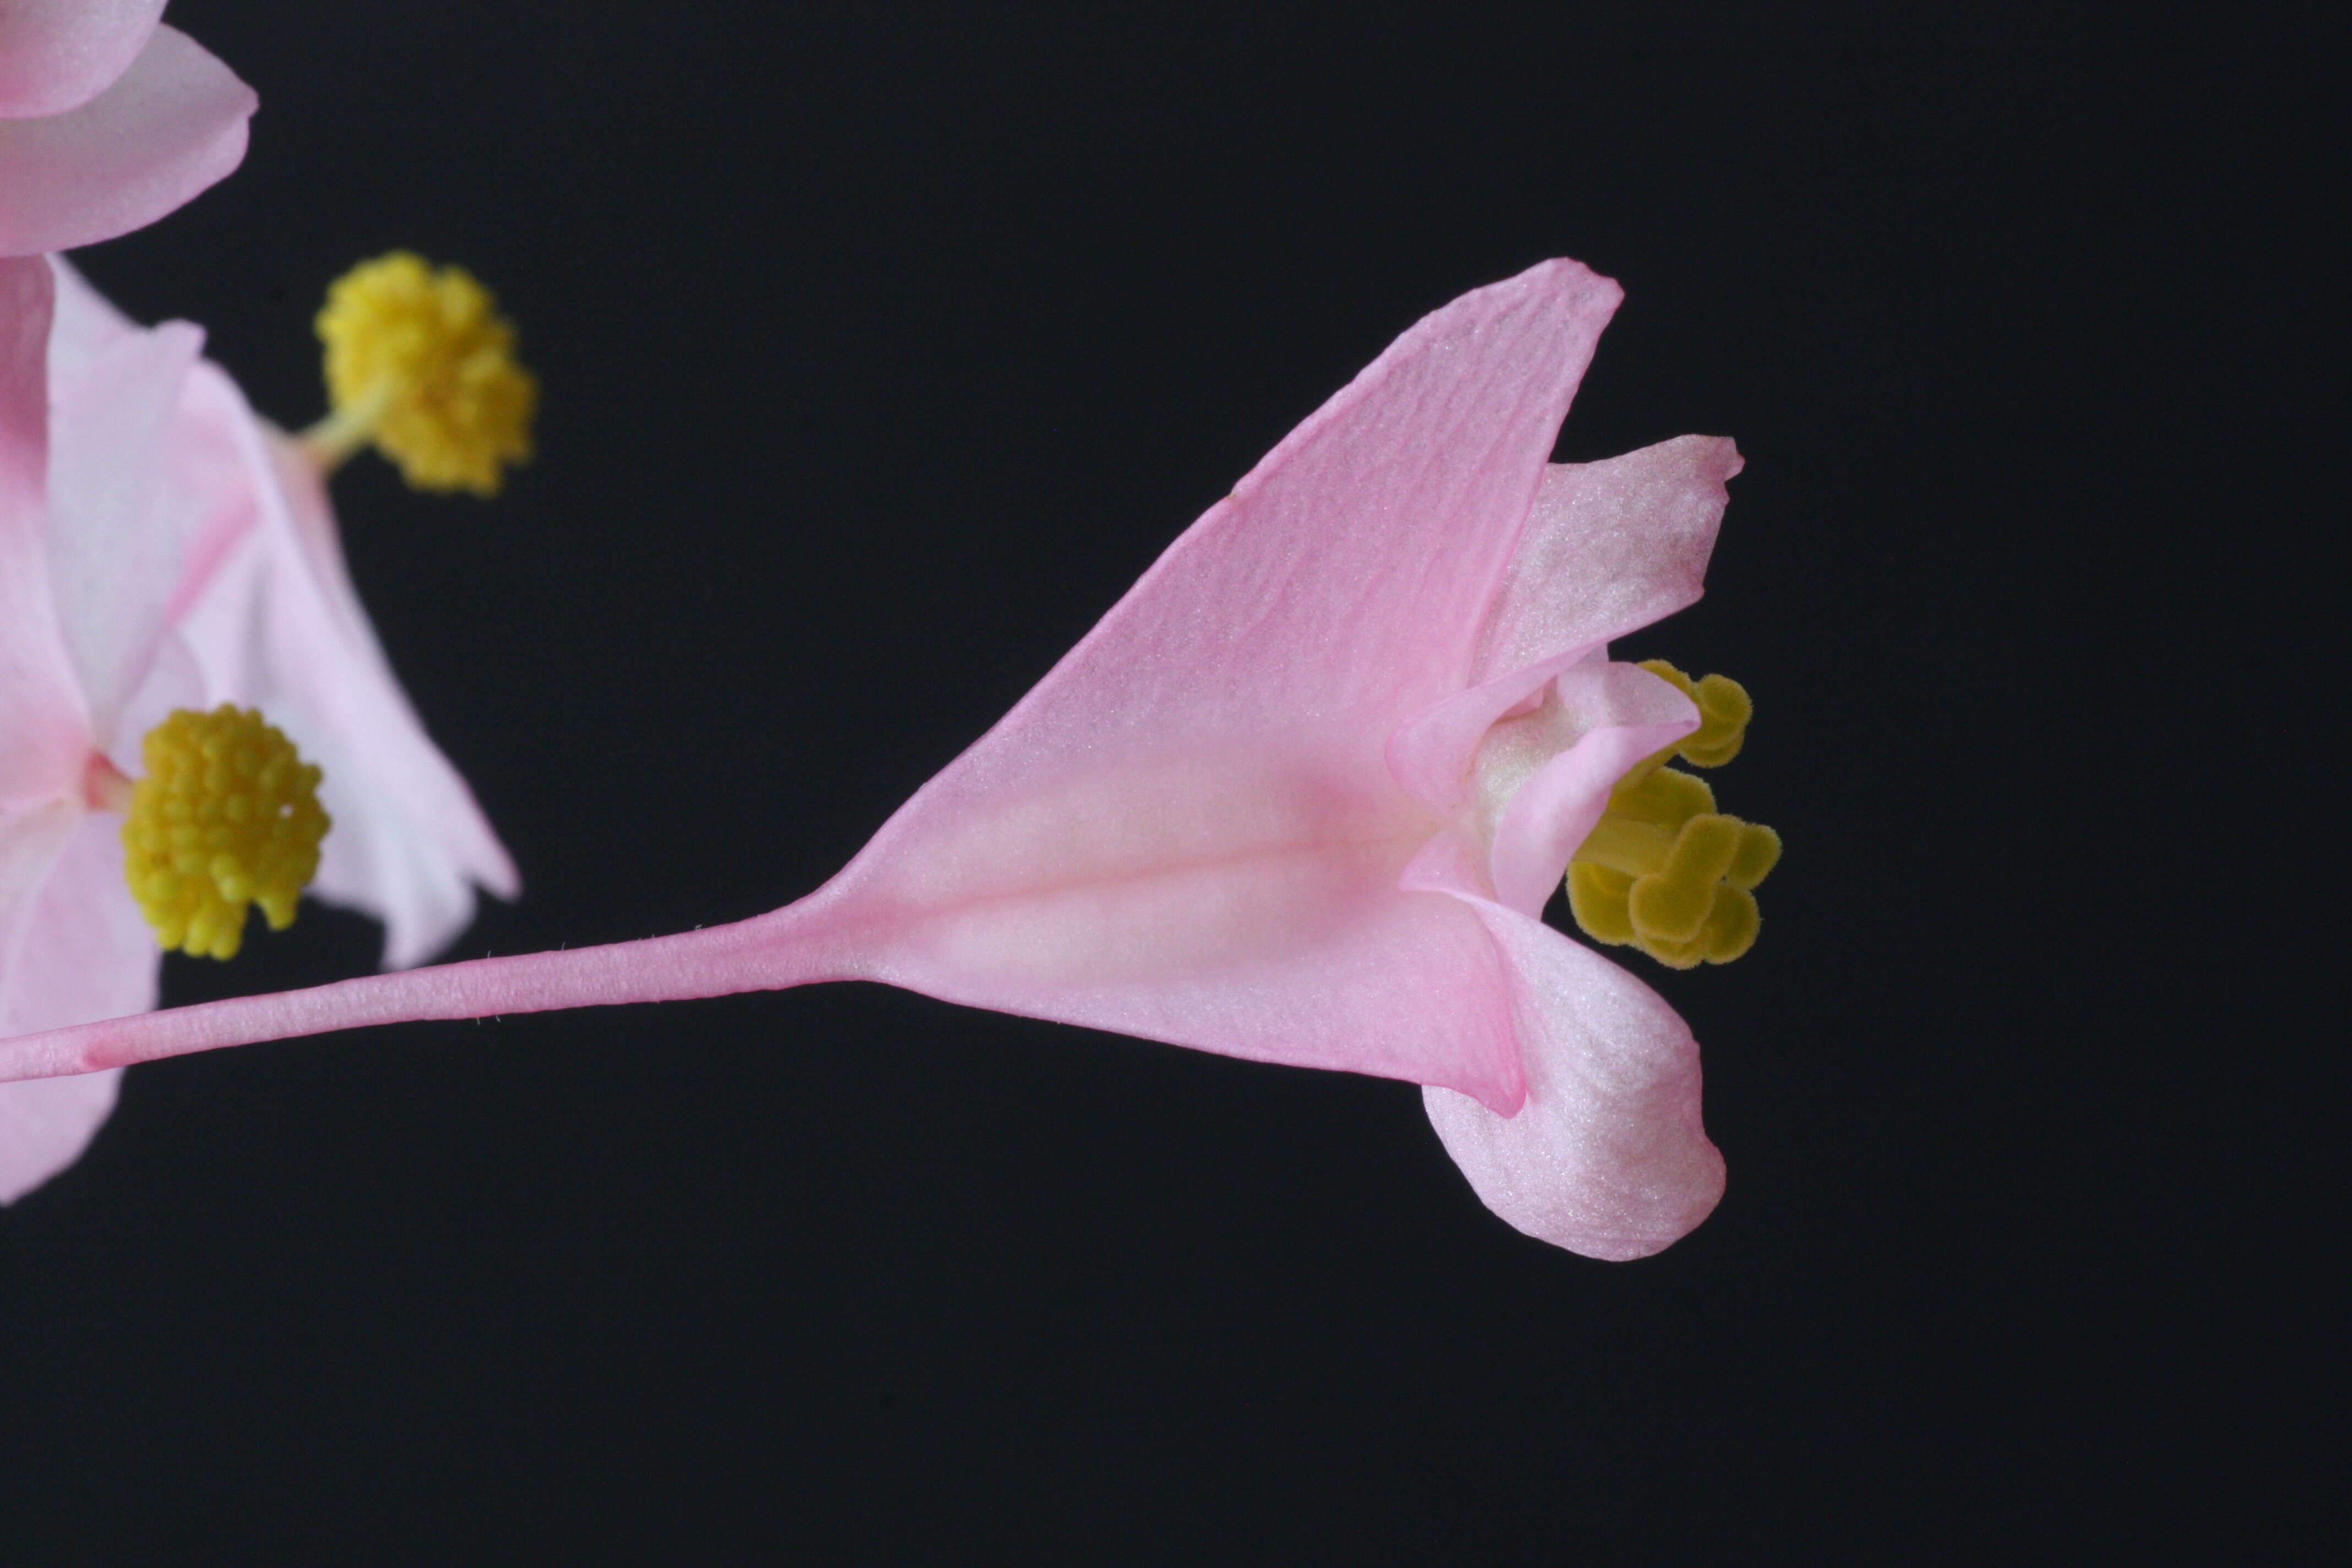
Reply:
x=172, y=124
x=72, y=948
x=1619, y=714
x=47, y=1122
x=1608, y=1157
x=56, y=55
x=275, y=624
x=41, y=714
x=1187, y=829
x=1609, y=548
x=116, y=524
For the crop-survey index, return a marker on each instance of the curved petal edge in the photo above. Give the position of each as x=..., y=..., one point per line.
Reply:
x=1609, y=1157
x=174, y=124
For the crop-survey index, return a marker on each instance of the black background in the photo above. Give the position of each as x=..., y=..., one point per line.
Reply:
x=880, y=353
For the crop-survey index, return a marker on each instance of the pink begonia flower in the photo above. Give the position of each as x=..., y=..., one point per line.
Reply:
x=107, y=120
x=1300, y=796
x=161, y=548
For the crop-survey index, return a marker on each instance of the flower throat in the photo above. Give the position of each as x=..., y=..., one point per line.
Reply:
x=1663, y=870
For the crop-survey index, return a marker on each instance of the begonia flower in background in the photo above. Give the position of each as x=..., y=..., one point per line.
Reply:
x=162, y=549
x=1300, y=796
x=107, y=120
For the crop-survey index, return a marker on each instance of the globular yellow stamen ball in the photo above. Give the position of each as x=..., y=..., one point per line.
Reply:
x=228, y=814
x=1663, y=870
x=419, y=361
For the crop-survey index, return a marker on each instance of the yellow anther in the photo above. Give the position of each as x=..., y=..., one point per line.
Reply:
x=1665, y=871
x=228, y=816
x=1667, y=796
x=1597, y=897
x=1668, y=910
x=1731, y=925
x=1759, y=852
x=1724, y=711
x=1704, y=848
x=419, y=361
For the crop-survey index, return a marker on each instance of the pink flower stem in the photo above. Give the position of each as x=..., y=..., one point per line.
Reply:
x=770, y=951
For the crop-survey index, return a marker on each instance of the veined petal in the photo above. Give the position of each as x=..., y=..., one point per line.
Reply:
x=57, y=54
x=1609, y=548
x=171, y=125
x=1608, y=1157
x=1207, y=899
x=41, y=714
x=274, y=622
x=72, y=948
x=115, y=526
x=1184, y=830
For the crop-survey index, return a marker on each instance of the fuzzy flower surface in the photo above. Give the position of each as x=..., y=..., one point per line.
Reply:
x=1299, y=797
x=159, y=551
x=107, y=120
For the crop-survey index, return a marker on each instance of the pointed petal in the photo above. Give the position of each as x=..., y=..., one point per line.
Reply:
x=115, y=527
x=72, y=949
x=1182, y=832
x=171, y=125
x=1608, y=1157
x=40, y=704
x=275, y=625
x=56, y=55
x=1609, y=548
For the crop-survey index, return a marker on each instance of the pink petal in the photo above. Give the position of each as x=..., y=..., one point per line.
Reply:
x=116, y=526
x=1609, y=548
x=71, y=950
x=172, y=124
x=1206, y=908
x=273, y=620
x=47, y=1122
x=86, y=324
x=41, y=711
x=1184, y=830
x=1608, y=1157
x=56, y=55
x=30, y=839
x=1625, y=713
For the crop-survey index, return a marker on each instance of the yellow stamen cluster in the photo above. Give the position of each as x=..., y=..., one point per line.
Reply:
x=1664, y=870
x=228, y=814
x=419, y=361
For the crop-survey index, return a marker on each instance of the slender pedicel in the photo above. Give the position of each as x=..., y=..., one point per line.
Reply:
x=768, y=953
